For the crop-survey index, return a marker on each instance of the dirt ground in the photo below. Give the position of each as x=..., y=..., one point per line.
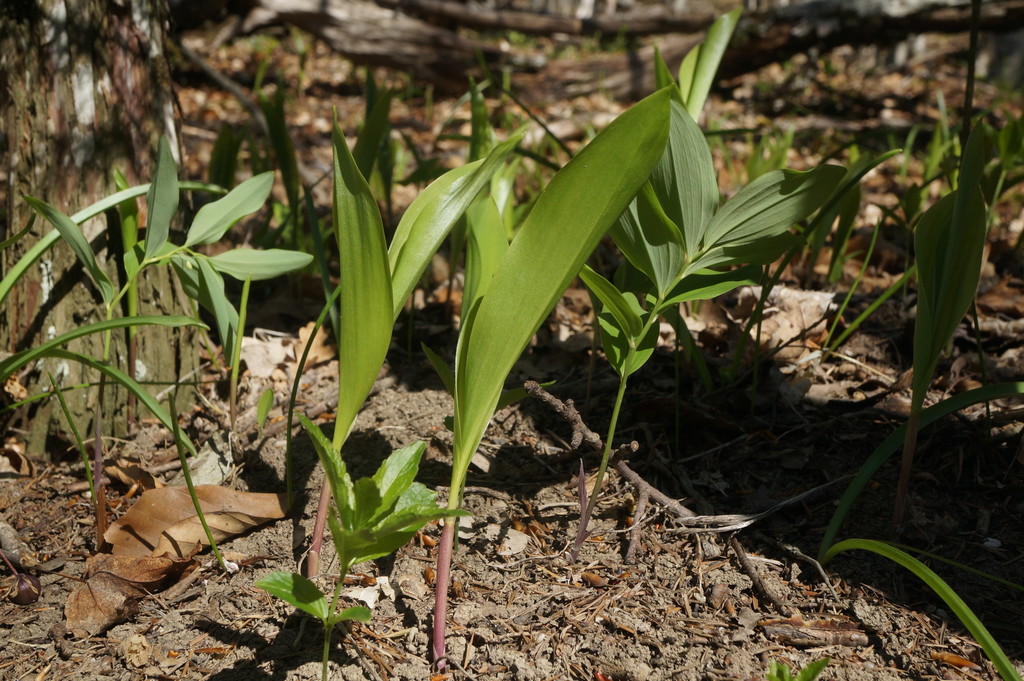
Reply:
x=715, y=605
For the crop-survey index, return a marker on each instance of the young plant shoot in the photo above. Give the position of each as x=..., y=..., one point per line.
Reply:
x=675, y=234
x=579, y=204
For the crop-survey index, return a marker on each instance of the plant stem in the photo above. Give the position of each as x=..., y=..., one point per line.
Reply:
x=444, y=566
x=312, y=567
x=328, y=630
x=236, y=352
x=906, y=465
x=581, y=534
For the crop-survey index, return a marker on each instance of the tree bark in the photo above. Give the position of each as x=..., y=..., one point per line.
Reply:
x=86, y=90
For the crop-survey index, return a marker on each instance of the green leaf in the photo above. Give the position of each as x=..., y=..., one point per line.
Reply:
x=373, y=134
x=685, y=181
x=72, y=234
x=708, y=55
x=212, y=297
x=992, y=649
x=486, y=245
x=615, y=302
x=663, y=77
x=298, y=591
x=895, y=440
x=581, y=202
x=444, y=372
x=770, y=204
x=14, y=362
x=397, y=473
x=948, y=245
x=242, y=263
x=162, y=201
x=334, y=468
x=431, y=216
x=132, y=386
x=357, y=613
x=625, y=353
x=214, y=219
x=366, y=303
x=706, y=284
x=811, y=671
x=263, y=407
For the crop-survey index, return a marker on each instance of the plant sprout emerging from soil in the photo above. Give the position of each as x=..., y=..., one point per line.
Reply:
x=570, y=216
x=370, y=518
x=674, y=235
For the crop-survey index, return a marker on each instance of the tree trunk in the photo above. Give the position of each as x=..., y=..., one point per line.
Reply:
x=86, y=89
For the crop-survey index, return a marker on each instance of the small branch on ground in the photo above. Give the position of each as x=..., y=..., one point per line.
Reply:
x=755, y=579
x=581, y=433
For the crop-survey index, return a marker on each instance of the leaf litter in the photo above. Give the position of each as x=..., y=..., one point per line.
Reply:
x=682, y=610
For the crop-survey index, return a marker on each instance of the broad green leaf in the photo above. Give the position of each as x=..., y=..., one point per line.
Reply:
x=334, y=468
x=162, y=201
x=708, y=55
x=366, y=303
x=981, y=634
x=357, y=613
x=242, y=263
x=486, y=245
x=663, y=77
x=397, y=473
x=14, y=362
x=214, y=219
x=212, y=297
x=706, y=284
x=367, y=505
x=431, y=216
x=578, y=206
x=770, y=204
x=298, y=591
x=614, y=301
x=72, y=234
x=481, y=136
x=685, y=182
x=18, y=269
x=945, y=286
x=626, y=354
x=758, y=251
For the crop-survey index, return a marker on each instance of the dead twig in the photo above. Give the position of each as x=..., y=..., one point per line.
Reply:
x=581, y=433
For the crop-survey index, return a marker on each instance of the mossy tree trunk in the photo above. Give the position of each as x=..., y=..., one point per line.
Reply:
x=84, y=89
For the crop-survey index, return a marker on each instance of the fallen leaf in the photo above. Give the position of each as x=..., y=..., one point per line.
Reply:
x=164, y=521
x=13, y=460
x=320, y=351
x=131, y=474
x=262, y=356
x=113, y=587
x=14, y=390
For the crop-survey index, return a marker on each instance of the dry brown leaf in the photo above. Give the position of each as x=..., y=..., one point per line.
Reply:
x=131, y=474
x=320, y=351
x=165, y=521
x=13, y=460
x=113, y=587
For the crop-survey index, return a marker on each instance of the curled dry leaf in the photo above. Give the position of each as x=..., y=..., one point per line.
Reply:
x=164, y=521
x=13, y=460
x=113, y=587
x=131, y=474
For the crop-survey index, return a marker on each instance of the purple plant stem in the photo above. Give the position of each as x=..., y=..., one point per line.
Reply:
x=444, y=570
x=312, y=566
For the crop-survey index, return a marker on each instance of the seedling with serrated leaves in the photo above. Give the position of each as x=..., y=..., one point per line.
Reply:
x=370, y=518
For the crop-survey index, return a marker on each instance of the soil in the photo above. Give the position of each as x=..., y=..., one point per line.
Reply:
x=688, y=605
